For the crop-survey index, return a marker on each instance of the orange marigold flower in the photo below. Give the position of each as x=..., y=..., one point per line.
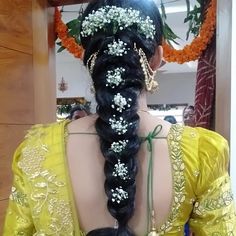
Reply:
x=67, y=41
x=194, y=50
x=190, y=52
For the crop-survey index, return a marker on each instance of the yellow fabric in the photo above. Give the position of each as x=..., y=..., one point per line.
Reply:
x=41, y=202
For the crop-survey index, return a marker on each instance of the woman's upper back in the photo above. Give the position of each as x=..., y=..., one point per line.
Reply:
x=190, y=169
x=86, y=164
x=201, y=187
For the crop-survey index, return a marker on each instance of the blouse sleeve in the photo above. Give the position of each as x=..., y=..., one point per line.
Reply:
x=18, y=219
x=214, y=209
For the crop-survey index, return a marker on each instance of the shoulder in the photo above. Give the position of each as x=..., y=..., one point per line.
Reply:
x=83, y=125
x=213, y=153
x=209, y=155
x=213, y=148
x=38, y=141
x=207, y=141
x=41, y=130
x=40, y=168
x=212, y=139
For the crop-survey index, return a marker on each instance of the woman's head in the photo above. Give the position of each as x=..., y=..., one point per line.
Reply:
x=120, y=38
x=99, y=25
x=78, y=112
x=189, y=117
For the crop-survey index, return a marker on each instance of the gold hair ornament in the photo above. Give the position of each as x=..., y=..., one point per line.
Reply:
x=91, y=62
x=149, y=74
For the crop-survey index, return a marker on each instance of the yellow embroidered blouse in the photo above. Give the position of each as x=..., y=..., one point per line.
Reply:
x=41, y=201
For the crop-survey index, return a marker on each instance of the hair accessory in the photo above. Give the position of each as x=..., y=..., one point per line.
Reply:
x=149, y=74
x=117, y=48
x=92, y=59
x=119, y=146
x=120, y=102
x=118, y=195
x=121, y=170
x=112, y=18
x=114, y=77
x=119, y=125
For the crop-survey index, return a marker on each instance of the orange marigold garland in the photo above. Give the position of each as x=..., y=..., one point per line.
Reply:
x=66, y=41
x=190, y=52
x=194, y=50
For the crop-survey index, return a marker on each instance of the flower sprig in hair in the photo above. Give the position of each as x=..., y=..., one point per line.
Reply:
x=117, y=48
x=121, y=170
x=120, y=102
x=119, y=18
x=114, y=77
x=119, y=125
x=119, y=146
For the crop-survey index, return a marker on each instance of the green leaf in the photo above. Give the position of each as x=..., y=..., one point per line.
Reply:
x=73, y=32
x=73, y=23
x=61, y=49
x=188, y=18
x=188, y=6
x=163, y=10
x=194, y=18
x=169, y=33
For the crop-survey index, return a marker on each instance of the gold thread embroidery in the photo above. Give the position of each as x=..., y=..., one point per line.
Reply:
x=45, y=186
x=176, y=154
x=223, y=200
x=31, y=161
x=60, y=209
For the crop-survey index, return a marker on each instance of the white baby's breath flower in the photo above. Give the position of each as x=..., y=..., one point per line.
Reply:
x=120, y=18
x=120, y=126
x=114, y=77
x=119, y=146
x=120, y=102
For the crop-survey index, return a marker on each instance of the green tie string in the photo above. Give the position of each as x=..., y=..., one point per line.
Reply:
x=152, y=135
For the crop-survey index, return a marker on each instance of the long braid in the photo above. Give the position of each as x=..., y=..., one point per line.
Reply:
x=118, y=121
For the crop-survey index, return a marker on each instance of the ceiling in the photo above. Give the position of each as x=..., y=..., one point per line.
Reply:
x=176, y=12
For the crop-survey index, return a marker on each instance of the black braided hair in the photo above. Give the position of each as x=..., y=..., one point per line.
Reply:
x=130, y=89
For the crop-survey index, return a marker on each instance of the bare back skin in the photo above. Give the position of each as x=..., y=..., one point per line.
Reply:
x=86, y=164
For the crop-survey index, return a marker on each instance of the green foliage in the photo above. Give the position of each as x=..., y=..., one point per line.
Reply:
x=169, y=34
x=73, y=31
x=66, y=108
x=194, y=18
x=63, y=109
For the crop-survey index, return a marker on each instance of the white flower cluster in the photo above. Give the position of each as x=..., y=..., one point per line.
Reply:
x=120, y=102
x=121, y=170
x=119, y=195
x=119, y=146
x=119, y=125
x=121, y=18
x=117, y=48
x=114, y=77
